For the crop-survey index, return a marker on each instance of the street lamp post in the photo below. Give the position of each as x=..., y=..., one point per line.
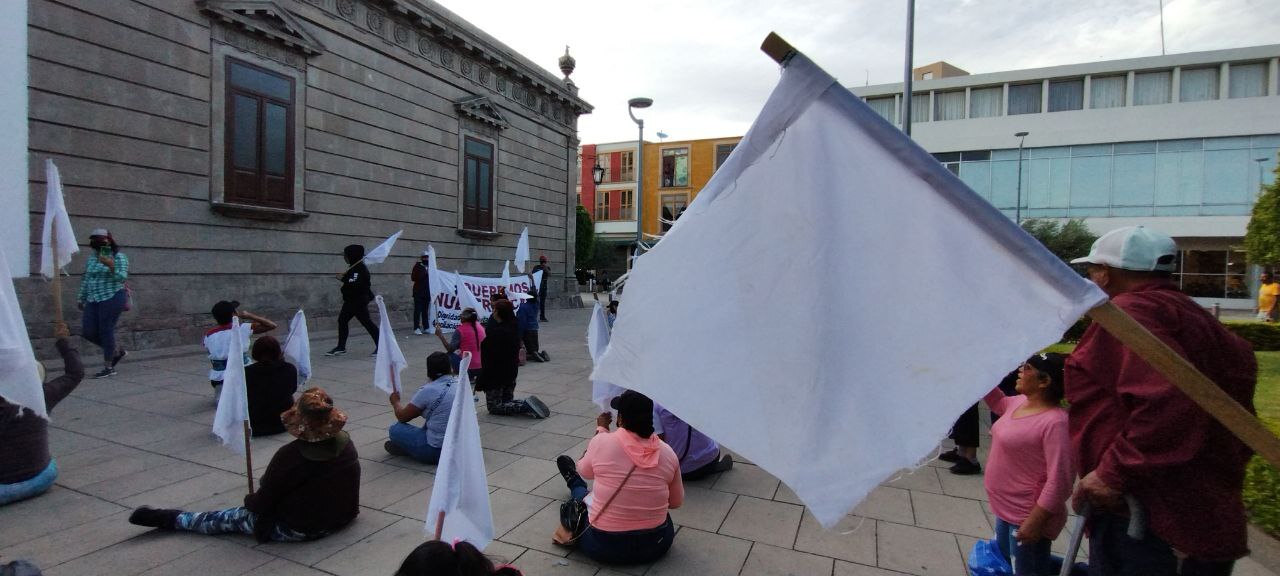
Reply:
x=632, y=104
x=1017, y=210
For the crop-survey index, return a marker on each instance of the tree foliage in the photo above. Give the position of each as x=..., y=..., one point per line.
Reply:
x=1262, y=237
x=585, y=238
x=1067, y=240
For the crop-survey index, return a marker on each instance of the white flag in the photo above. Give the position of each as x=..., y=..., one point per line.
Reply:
x=390, y=361
x=597, y=342
x=20, y=379
x=377, y=255
x=506, y=275
x=522, y=250
x=297, y=347
x=53, y=258
x=461, y=489
x=940, y=295
x=433, y=312
x=233, y=401
x=468, y=299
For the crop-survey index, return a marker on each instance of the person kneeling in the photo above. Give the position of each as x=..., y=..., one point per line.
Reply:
x=311, y=487
x=637, y=480
x=432, y=401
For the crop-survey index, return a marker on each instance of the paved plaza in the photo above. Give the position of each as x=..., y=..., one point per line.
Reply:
x=143, y=437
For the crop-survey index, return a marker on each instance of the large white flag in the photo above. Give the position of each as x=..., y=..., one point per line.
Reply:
x=53, y=258
x=233, y=401
x=522, y=250
x=297, y=347
x=19, y=379
x=597, y=342
x=930, y=296
x=506, y=274
x=380, y=253
x=461, y=489
x=433, y=311
x=390, y=361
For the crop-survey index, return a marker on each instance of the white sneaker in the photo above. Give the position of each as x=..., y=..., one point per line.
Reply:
x=417, y=331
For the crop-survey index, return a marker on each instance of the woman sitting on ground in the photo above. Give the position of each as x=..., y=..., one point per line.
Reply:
x=432, y=402
x=461, y=558
x=637, y=480
x=311, y=487
x=271, y=383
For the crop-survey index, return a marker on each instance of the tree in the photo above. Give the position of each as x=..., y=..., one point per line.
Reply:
x=1262, y=237
x=1067, y=240
x=585, y=239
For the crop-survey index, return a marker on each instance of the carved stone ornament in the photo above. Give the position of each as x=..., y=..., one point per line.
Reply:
x=567, y=63
x=502, y=84
x=482, y=109
x=466, y=67
x=426, y=48
x=402, y=34
x=263, y=23
x=376, y=20
x=446, y=57
x=347, y=7
x=484, y=75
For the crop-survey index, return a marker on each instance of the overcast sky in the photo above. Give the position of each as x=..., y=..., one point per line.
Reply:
x=700, y=60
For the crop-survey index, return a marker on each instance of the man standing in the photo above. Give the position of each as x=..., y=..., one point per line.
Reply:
x=421, y=294
x=542, y=286
x=1134, y=433
x=1267, y=293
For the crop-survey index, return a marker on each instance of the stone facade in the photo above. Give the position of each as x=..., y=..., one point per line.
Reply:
x=128, y=99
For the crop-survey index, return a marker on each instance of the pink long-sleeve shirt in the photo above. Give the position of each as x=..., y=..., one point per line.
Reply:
x=1030, y=463
x=653, y=488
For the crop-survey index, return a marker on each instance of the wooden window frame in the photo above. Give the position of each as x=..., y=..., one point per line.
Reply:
x=473, y=216
x=258, y=196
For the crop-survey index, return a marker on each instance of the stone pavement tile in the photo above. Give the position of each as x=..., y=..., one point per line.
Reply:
x=503, y=437
x=371, y=470
x=361, y=411
x=1249, y=567
x=962, y=486
x=394, y=487
x=586, y=430
x=578, y=450
x=950, y=514
x=63, y=443
x=510, y=509
x=851, y=569
x=924, y=478
x=503, y=553
x=536, y=532
x=524, y=474
x=381, y=419
x=786, y=494
x=366, y=524
x=173, y=403
x=64, y=545
x=495, y=460
x=576, y=406
x=537, y=563
x=555, y=489
x=563, y=423
x=703, y=509
x=56, y=510
x=631, y=569
x=852, y=539
x=747, y=479
x=367, y=436
x=698, y=553
x=766, y=560
x=282, y=567
x=186, y=492
x=763, y=521
x=114, y=488
x=545, y=446
x=133, y=556
x=885, y=503
x=917, y=550
x=379, y=553
x=145, y=428
x=412, y=506
x=219, y=558
x=965, y=544
x=87, y=390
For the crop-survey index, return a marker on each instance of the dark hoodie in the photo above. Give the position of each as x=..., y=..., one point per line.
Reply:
x=355, y=283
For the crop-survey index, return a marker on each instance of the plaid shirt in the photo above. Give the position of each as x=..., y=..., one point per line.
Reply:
x=101, y=283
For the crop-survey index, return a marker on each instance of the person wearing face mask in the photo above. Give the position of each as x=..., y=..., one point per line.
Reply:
x=103, y=297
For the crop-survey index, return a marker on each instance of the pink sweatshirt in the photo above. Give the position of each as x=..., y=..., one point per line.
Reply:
x=653, y=488
x=1030, y=463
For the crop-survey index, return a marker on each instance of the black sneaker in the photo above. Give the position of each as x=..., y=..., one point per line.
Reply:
x=394, y=449
x=106, y=372
x=966, y=468
x=336, y=352
x=119, y=355
x=154, y=518
x=537, y=407
x=568, y=469
x=544, y=356
x=951, y=456
x=725, y=462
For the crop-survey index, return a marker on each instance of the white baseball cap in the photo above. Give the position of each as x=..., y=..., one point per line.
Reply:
x=1133, y=248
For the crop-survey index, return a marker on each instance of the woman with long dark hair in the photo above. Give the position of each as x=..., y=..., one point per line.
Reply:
x=357, y=293
x=501, y=350
x=103, y=297
x=271, y=382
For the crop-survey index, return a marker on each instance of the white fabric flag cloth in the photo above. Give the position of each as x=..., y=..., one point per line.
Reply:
x=506, y=275
x=461, y=489
x=379, y=254
x=939, y=296
x=433, y=311
x=522, y=250
x=390, y=361
x=233, y=401
x=468, y=299
x=53, y=258
x=297, y=347
x=597, y=342
x=19, y=379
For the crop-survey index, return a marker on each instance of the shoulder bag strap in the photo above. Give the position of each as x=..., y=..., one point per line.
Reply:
x=606, y=503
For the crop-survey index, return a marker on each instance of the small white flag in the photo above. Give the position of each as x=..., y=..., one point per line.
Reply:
x=297, y=347
x=233, y=402
x=433, y=311
x=506, y=275
x=19, y=380
x=377, y=255
x=468, y=299
x=461, y=489
x=597, y=341
x=390, y=361
x=53, y=258
x=522, y=250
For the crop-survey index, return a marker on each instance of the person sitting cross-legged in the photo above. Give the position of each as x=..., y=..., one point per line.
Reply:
x=432, y=402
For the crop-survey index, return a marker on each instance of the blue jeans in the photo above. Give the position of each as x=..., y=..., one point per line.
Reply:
x=1113, y=553
x=98, y=325
x=633, y=547
x=414, y=441
x=236, y=520
x=34, y=486
x=421, y=308
x=1027, y=559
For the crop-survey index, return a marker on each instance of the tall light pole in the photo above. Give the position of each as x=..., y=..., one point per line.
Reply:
x=632, y=104
x=1017, y=210
x=908, y=75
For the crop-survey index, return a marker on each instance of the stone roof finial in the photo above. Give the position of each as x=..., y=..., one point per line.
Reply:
x=567, y=63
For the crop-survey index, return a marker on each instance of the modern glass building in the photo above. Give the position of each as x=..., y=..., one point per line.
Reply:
x=1181, y=143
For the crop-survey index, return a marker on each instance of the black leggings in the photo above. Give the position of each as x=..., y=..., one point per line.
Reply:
x=359, y=312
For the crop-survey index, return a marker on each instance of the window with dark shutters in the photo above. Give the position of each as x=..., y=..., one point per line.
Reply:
x=477, y=204
x=259, y=136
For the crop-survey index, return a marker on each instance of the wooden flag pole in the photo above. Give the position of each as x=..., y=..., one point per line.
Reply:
x=439, y=524
x=248, y=457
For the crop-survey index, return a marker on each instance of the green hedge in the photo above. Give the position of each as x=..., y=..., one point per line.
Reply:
x=1263, y=336
x=1262, y=492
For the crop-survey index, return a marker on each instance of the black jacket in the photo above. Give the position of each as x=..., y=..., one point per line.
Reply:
x=355, y=285
x=501, y=353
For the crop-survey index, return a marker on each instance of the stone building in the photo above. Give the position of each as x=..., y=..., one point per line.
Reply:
x=233, y=147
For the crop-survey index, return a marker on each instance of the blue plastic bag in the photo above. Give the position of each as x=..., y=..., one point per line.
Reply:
x=986, y=560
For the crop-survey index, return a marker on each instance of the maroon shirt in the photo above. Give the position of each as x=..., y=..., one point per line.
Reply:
x=1145, y=437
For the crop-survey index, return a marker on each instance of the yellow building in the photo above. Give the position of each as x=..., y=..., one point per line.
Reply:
x=674, y=173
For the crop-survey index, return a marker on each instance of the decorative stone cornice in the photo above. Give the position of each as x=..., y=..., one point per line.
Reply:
x=482, y=109
x=264, y=18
